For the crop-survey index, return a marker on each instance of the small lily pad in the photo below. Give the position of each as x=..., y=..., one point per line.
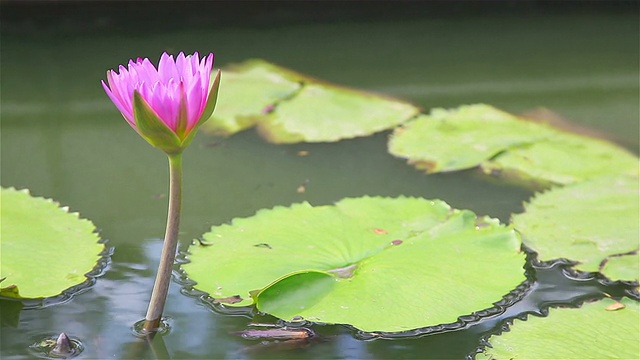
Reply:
x=414, y=260
x=45, y=249
x=462, y=138
x=326, y=113
x=290, y=107
x=562, y=159
x=593, y=222
x=590, y=332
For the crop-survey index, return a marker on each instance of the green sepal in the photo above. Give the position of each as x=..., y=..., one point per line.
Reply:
x=213, y=98
x=208, y=110
x=152, y=129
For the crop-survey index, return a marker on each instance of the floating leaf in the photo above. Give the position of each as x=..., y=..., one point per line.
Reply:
x=45, y=249
x=590, y=332
x=562, y=159
x=473, y=135
x=462, y=138
x=594, y=222
x=289, y=107
x=249, y=92
x=325, y=113
x=412, y=259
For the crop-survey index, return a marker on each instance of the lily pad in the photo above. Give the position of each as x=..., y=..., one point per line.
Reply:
x=249, y=91
x=413, y=260
x=562, y=159
x=594, y=222
x=590, y=332
x=290, y=107
x=326, y=113
x=505, y=145
x=462, y=138
x=45, y=249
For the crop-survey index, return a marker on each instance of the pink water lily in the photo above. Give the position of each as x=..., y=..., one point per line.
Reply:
x=165, y=104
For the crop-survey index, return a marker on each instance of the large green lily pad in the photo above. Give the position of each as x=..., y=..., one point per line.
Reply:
x=45, y=249
x=462, y=138
x=590, y=332
x=290, y=107
x=410, y=262
x=594, y=222
x=249, y=90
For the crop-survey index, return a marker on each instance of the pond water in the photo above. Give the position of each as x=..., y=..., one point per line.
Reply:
x=63, y=139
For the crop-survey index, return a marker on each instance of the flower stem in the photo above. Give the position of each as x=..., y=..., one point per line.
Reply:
x=163, y=277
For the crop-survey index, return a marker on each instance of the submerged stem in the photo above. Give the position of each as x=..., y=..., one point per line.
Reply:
x=163, y=277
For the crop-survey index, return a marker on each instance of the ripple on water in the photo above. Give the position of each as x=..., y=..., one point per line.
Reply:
x=56, y=346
